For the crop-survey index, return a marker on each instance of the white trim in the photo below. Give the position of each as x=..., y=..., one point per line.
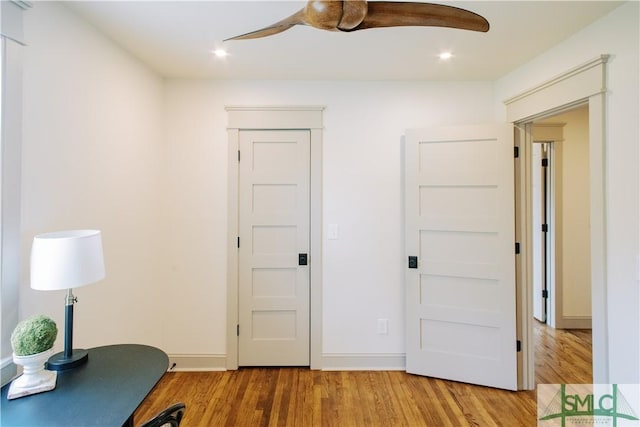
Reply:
x=197, y=363
x=275, y=117
x=232, y=248
x=316, y=249
x=574, y=322
x=8, y=370
x=585, y=83
x=585, y=80
x=523, y=262
x=288, y=108
x=597, y=213
x=364, y=362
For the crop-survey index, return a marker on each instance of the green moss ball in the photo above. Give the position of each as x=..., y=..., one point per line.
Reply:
x=33, y=335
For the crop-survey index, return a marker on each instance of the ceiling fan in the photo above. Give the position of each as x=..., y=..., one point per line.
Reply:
x=353, y=15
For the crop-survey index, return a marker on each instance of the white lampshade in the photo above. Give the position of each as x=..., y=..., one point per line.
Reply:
x=66, y=259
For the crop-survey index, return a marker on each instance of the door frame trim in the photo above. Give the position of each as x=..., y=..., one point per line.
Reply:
x=275, y=118
x=583, y=84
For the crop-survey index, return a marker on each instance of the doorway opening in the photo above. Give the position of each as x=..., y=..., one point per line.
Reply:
x=544, y=225
x=560, y=244
x=582, y=85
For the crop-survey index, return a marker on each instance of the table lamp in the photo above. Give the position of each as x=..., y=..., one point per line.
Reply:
x=67, y=260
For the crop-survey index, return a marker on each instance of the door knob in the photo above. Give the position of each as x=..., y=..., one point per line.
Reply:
x=413, y=262
x=302, y=259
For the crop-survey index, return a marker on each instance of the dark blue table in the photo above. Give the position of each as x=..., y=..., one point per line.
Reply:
x=105, y=391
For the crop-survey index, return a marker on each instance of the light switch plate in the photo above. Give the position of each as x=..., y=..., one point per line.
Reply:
x=383, y=326
x=333, y=232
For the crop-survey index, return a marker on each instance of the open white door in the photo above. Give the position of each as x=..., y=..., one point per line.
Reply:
x=460, y=295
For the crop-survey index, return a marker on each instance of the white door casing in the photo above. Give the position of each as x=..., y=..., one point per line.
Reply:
x=273, y=302
x=460, y=300
x=274, y=117
x=585, y=83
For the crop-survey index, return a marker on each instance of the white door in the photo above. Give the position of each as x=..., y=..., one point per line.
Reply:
x=273, y=300
x=539, y=220
x=460, y=296
x=536, y=238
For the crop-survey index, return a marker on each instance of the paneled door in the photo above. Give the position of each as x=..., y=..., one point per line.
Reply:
x=273, y=245
x=460, y=281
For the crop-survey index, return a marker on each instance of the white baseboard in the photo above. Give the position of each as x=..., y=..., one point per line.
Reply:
x=364, y=362
x=330, y=362
x=573, y=322
x=8, y=370
x=188, y=362
x=183, y=363
x=218, y=362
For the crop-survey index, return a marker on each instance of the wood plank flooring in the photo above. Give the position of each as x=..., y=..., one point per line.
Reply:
x=562, y=356
x=302, y=397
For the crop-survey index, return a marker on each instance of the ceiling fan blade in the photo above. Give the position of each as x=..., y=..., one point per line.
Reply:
x=280, y=26
x=329, y=14
x=264, y=32
x=400, y=14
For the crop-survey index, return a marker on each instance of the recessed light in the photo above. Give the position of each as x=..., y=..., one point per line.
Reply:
x=220, y=53
x=445, y=56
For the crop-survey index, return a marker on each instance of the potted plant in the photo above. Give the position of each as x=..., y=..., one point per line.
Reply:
x=32, y=342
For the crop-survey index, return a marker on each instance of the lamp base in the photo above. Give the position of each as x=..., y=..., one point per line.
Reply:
x=58, y=362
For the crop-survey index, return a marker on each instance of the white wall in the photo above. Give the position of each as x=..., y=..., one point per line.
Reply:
x=616, y=34
x=362, y=182
x=576, y=257
x=93, y=158
x=108, y=145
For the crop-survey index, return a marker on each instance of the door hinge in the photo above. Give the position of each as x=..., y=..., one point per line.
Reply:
x=545, y=163
x=545, y=228
x=516, y=152
x=517, y=248
x=238, y=330
x=545, y=293
x=238, y=241
x=238, y=155
x=518, y=346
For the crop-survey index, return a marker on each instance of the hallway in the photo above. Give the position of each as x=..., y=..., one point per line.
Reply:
x=562, y=356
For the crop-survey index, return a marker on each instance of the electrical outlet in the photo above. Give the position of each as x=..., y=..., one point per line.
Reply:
x=383, y=326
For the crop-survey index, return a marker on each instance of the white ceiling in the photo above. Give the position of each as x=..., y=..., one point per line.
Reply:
x=175, y=38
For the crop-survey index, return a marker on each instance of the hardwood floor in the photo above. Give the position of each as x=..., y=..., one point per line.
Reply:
x=562, y=356
x=301, y=397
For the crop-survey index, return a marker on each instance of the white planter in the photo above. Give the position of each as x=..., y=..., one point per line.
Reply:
x=34, y=378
